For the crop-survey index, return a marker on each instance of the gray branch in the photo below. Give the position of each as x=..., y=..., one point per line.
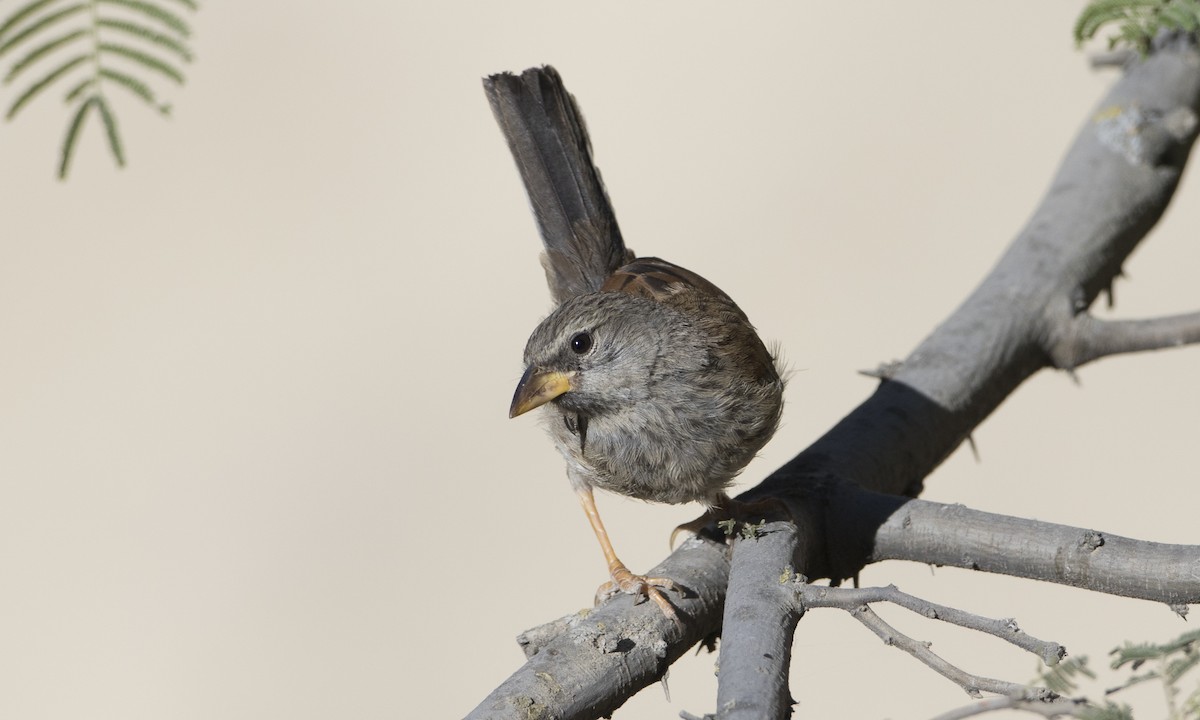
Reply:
x=1057, y=708
x=850, y=599
x=974, y=685
x=954, y=535
x=1086, y=338
x=752, y=680
x=1112, y=187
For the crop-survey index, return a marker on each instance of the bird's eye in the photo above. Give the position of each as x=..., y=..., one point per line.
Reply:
x=581, y=343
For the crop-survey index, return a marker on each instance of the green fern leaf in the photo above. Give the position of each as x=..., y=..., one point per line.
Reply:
x=1174, y=15
x=1137, y=20
x=40, y=25
x=1182, y=642
x=1191, y=704
x=24, y=12
x=1061, y=678
x=144, y=33
x=110, y=129
x=1178, y=668
x=42, y=84
x=1102, y=12
x=68, y=148
x=149, y=35
x=147, y=61
x=1134, y=680
x=165, y=17
x=1110, y=711
x=135, y=86
x=41, y=51
x=1135, y=654
x=78, y=90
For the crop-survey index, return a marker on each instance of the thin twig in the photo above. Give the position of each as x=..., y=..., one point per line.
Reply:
x=1063, y=707
x=1006, y=629
x=972, y=684
x=1114, y=58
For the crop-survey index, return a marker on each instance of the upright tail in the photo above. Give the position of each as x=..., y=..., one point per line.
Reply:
x=549, y=141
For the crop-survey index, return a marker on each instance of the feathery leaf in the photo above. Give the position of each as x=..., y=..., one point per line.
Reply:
x=148, y=61
x=141, y=31
x=135, y=86
x=190, y=4
x=41, y=24
x=1178, y=668
x=1062, y=678
x=110, y=129
x=78, y=89
x=1180, y=15
x=40, y=51
x=68, y=148
x=165, y=17
x=1137, y=21
x=40, y=85
x=24, y=12
x=1110, y=711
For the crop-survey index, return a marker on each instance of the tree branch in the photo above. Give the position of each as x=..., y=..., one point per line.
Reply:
x=596, y=660
x=1087, y=338
x=1063, y=707
x=972, y=684
x=851, y=599
x=921, y=531
x=759, y=622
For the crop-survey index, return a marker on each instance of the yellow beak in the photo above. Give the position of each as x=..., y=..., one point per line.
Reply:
x=538, y=387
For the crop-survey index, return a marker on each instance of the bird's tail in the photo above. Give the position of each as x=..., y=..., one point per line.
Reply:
x=549, y=141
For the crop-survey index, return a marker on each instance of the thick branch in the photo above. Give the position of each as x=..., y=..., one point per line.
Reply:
x=939, y=534
x=598, y=659
x=759, y=622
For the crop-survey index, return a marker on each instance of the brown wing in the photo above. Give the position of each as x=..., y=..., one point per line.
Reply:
x=710, y=308
x=657, y=279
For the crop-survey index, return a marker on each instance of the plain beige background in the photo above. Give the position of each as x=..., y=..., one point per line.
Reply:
x=254, y=453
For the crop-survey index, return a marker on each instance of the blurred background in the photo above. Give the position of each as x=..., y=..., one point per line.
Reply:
x=254, y=453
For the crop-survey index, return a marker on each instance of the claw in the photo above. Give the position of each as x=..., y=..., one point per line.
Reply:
x=640, y=586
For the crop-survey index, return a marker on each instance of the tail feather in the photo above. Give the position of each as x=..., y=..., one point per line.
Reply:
x=549, y=141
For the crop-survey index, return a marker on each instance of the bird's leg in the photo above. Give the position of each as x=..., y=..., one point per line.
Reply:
x=723, y=508
x=718, y=509
x=622, y=579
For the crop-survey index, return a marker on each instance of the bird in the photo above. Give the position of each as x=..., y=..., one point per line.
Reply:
x=652, y=382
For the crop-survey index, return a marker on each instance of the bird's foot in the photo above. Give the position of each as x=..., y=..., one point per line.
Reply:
x=640, y=586
x=693, y=527
x=730, y=516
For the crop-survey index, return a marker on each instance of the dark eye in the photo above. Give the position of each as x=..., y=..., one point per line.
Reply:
x=581, y=343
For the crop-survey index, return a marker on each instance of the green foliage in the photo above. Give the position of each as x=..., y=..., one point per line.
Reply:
x=88, y=46
x=1107, y=711
x=1166, y=663
x=1063, y=678
x=1136, y=21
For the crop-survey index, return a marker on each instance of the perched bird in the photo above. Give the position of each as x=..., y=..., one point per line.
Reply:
x=655, y=384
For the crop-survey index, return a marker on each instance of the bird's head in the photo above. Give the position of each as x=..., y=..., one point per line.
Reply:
x=594, y=354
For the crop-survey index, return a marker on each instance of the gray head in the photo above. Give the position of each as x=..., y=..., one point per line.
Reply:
x=598, y=352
